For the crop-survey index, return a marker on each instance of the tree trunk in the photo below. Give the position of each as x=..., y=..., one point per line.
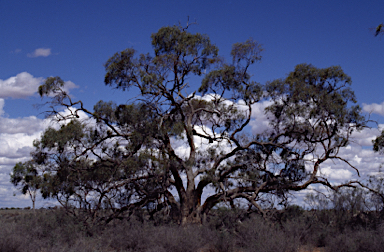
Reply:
x=191, y=209
x=191, y=217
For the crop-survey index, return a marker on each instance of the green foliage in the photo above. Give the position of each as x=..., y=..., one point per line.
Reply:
x=314, y=93
x=175, y=49
x=378, y=143
x=235, y=77
x=51, y=85
x=25, y=176
x=57, y=140
x=172, y=40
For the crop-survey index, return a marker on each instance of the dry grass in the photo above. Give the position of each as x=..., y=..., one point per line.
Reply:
x=53, y=230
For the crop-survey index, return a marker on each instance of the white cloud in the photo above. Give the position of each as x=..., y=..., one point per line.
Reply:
x=259, y=122
x=357, y=159
x=1, y=107
x=338, y=174
x=20, y=86
x=182, y=148
x=365, y=136
x=374, y=108
x=23, y=85
x=40, y=52
x=69, y=85
x=27, y=125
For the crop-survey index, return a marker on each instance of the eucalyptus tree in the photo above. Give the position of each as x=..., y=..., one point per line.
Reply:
x=26, y=177
x=173, y=141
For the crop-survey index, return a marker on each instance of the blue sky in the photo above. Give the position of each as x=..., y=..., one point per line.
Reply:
x=73, y=39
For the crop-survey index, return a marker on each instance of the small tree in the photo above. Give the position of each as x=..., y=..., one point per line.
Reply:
x=354, y=200
x=25, y=177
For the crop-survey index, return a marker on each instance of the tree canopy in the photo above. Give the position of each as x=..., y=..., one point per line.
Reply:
x=174, y=141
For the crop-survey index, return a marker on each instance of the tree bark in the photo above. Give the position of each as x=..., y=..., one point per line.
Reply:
x=191, y=209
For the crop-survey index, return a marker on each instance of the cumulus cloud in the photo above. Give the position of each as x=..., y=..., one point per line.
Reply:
x=40, y=52
x=259, y=122
x=374, y=108
x=23, y=85
x=27, y=125
x=365, y=136
x=338, y=174
x=182, y=148
x=20, y=86
x=68, y=85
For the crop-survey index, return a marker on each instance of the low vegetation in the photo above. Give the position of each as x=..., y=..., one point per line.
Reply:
x=293, y=229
